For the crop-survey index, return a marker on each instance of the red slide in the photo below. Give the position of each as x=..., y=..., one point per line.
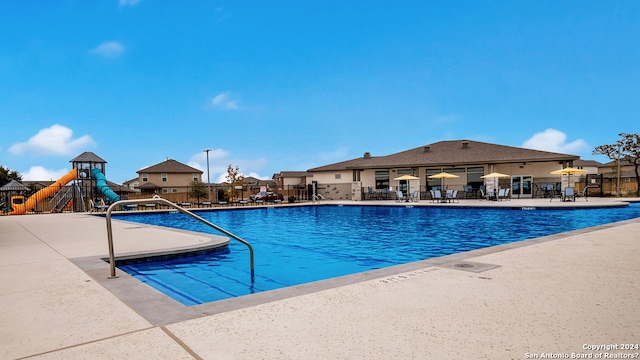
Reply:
x=20, y=209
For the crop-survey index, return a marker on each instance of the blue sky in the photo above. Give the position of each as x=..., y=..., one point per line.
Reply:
x=290, y=85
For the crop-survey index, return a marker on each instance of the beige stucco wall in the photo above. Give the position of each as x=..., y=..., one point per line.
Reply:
x=329, y=177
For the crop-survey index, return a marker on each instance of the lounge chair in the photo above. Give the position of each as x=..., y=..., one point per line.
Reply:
x=400, y=196
x=414, y=196
x=99, y=206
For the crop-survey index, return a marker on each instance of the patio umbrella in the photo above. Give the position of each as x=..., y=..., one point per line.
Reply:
x=443, y=175
x=407, y=178
x=569, y=171
x=494, y=175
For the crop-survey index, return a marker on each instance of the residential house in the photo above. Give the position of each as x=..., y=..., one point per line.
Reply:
x=167, y=177
x=627, y=177
x=469, y=160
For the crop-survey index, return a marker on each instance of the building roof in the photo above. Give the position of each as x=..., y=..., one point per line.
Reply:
x=170, y=166
x=449, y=153
x=148, y=186
x=583, y=163
x=293, y=174
x=614, y=163
x=13, y=185
x=88, y=157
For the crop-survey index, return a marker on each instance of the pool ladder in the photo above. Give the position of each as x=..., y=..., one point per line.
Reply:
x=116, y=204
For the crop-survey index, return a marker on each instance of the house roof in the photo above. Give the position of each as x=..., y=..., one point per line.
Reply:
x=148, y=186
x=170, y=166
x=450, y=153
x=293, y=174
x=13, y=185
x=581, y=162
x=614, y=163
x=88, y=157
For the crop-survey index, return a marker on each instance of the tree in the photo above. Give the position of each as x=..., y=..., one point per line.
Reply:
x=198, y=190
x=7, y=175
x=234, y=178
x=627, y=148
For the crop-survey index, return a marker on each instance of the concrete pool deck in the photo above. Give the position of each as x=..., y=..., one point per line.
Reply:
x=558, y=294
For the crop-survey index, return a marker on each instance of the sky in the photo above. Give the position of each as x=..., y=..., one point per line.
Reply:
x=273, y=86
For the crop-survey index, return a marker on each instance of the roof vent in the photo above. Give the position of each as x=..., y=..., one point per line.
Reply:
x=367, y=155
x=465, y=144
x=427, y=148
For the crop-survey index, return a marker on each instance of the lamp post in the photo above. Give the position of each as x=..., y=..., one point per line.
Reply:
x=618, y=190
x=208, y=179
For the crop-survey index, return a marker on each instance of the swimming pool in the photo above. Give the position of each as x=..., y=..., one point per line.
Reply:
x=296, y=245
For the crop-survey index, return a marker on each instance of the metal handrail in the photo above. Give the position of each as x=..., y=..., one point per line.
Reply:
x=112, y=262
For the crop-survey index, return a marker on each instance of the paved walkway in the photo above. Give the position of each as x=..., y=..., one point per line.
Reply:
x=559, y=294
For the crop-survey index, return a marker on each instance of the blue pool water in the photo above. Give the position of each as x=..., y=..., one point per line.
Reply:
x=295, y=245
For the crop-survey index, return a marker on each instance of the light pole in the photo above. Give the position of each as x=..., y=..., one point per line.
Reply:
x=208, y=179
x=618, y=190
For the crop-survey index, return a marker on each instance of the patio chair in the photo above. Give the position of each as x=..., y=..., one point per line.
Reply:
x=569, y=193
x=400, y=196
x=501, y=194
x=414, y=196
x=370, y=192
x=452, y=195
x=468, y=191
x=436, y=195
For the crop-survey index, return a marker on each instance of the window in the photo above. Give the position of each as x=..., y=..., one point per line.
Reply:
x=165, y=191
x=145, y=177
x=433, y=182
x=196, y=177
x=163, y=177
x=338, y=176
x=356, y=175
x=455, y=170
x=405, y=172
x=382, y=179
x=174, y=190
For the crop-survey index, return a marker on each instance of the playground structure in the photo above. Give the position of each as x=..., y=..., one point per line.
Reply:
x=72, y=192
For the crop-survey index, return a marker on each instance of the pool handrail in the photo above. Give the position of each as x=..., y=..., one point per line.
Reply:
x=112, y=262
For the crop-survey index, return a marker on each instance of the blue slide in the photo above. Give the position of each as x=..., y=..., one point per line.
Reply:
x=101, y=181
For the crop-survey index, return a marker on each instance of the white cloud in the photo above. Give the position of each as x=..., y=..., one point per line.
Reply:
x=555, y=141
x=224, y=101
x=39, y=173
x=55, y=140
x=108, y=49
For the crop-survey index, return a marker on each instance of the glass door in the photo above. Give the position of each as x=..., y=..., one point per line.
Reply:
x=521, y=186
